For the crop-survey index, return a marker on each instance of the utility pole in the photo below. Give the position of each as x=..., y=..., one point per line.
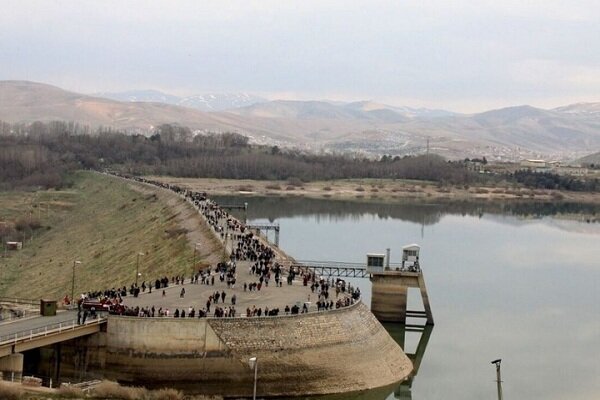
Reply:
x=194, y=262
x=498, y=378
x=254, y=364
x=137, y=268
x=75, y=262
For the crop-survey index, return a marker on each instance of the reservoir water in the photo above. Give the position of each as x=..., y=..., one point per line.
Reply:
x=519, y=282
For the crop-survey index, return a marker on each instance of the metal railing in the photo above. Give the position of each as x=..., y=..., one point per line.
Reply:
x=337, y=264
x=15, y=300
x=12, y=315
x=46, y=330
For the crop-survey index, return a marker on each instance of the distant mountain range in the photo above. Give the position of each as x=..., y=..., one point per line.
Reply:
x=208, y=102
x=512, y=133
x=360, y=110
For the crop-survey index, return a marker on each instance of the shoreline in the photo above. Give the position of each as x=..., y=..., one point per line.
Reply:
x=378, y=190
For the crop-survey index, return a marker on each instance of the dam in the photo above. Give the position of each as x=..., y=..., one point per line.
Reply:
x=317, y=350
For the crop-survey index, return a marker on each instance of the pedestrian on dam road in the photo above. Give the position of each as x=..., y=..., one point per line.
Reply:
x=263, y=267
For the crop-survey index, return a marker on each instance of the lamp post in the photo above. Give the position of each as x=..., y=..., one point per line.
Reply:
x=194, y=262
x=137, y=267
x=254, y=364
x=498, y=379
x=75, y=262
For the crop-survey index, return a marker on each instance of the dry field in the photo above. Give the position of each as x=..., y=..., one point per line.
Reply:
x=374, y=189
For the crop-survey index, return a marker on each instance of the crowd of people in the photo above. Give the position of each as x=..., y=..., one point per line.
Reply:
x=245, y=246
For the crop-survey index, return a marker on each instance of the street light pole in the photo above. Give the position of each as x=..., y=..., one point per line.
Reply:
x=137, y=268
x=254, y=364
x=75, y=262
x=194, y=263
x=498, y=378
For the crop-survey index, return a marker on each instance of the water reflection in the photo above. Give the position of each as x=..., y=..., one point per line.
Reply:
x=420, y=212
x=398, y=333
x=515, y=281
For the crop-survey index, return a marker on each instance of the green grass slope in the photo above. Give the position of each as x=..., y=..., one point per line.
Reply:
x=102, y=222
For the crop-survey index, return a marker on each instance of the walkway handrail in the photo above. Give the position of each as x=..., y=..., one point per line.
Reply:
x=46, y=330
x=246, y=318
x=336, y=264
x=16, y=300
x=263, y=226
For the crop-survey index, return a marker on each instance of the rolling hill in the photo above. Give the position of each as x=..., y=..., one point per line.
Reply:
x=510, y=133
x=589, y=159
x=208, y=102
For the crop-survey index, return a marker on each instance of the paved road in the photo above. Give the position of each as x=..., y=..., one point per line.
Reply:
x=196, y=295
x=11, y=327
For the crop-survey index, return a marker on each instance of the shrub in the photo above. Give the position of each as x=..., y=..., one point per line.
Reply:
x=167, y=394
x=27, y=224
x=295, y=181
x=10, y=391
x=70, y=392
x=327, y=188
x=360, y=189
x=273, y=186
x=112, y=390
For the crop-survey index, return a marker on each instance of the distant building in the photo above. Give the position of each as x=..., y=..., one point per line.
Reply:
x=14, y=245
x=572, y=170
x=536, y=165
x=476, y=166
x=554, y=167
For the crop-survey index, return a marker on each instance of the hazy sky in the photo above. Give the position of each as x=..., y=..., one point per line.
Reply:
x=456, y=54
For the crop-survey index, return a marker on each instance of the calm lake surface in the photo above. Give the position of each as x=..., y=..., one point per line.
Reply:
x=518, y=282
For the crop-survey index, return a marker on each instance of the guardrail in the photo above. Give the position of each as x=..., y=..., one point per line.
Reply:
x=18, y=314
x=15, y=300
x=46, y=330
x=244, y=317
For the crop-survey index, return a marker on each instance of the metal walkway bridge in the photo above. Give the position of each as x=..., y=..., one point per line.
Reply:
x=336, y=268
x=266, y=227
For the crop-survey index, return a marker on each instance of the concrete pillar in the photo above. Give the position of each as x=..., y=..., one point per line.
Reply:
x=388, y=301
x=425, y=298
x=11, y=367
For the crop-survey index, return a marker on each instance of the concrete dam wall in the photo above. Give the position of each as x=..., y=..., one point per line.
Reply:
x=317, y=353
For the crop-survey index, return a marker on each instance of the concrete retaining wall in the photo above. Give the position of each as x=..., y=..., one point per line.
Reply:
x=318, y=353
